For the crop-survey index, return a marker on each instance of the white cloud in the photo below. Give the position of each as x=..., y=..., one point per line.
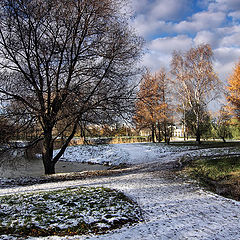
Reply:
x=169, y=9
x=231, y=40
x=168, y=44
x=139, y=6
x=160, y=51
x=235, y=15
x=156, y=18
x=224, y=5
x=230, y=4
x=227, y=54
x=162, y=9
x=225, y=59
x=207, y=37
x=147, y=26
x=201, y=21
x=228, y=30
x=155, y=60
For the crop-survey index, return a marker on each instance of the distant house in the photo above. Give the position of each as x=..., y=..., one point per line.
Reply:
x=178, y=132
x=145, y=132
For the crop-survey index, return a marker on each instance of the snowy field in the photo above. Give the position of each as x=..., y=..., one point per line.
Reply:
x=136, y=153
x=173, y=208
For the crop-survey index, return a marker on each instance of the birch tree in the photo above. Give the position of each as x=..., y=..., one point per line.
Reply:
x=196, y=82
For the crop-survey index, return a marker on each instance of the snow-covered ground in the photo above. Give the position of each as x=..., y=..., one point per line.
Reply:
x=135, y=153
x=172, y=207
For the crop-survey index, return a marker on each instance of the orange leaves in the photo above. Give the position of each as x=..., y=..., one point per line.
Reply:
x=151, y=103
x=234, y=91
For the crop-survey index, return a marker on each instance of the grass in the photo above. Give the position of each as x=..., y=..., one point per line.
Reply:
x=207, y=144
x=66, y=212
x=220, y=175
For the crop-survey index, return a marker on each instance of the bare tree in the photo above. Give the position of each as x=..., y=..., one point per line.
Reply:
x=65, y=62
x=222, y=124
x=196, y=82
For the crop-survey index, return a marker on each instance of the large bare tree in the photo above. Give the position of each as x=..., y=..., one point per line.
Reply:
x=196, y=82
x=65, y=62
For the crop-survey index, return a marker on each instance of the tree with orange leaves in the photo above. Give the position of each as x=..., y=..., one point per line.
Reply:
x=234, y=91
x=151, y=105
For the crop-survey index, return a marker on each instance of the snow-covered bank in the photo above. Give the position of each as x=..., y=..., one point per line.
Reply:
x=137, y=153
x=75, y=210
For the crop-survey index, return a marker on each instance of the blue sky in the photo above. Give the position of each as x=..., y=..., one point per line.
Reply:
x=169, y=25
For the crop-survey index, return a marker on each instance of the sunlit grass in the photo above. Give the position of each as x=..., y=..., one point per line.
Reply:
x=215, y=169
x=220, y=175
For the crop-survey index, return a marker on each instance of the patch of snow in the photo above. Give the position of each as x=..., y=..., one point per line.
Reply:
x=136, y=153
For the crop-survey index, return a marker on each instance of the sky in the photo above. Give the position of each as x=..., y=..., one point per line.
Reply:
x=168, y=25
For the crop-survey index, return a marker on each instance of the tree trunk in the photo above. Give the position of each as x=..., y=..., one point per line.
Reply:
x=223, y=139
x=159, y=133
x=49, y=167
x=198, y=133
x=184, y=122
x=198, y=136
x=47, y=153
x=165, y=132
x=153, y=133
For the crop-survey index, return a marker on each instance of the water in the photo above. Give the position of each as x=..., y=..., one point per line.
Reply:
x=15, y=165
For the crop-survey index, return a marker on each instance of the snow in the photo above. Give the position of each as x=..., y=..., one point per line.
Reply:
x=67, y=208
x=135, y=153
x=173, y=208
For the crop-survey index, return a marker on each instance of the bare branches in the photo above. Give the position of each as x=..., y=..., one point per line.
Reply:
x=196, y=82
x=66, y=59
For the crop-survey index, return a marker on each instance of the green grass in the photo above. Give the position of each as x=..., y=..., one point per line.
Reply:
x=215, y=169
x=207, y=144
x=220, y=175
x=66, y=212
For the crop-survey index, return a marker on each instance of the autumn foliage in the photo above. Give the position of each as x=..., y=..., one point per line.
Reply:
x=234, y=91
x=151, y=105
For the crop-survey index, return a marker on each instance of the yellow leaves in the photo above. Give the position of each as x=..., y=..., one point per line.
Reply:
x=151, y=104
x=234, y=91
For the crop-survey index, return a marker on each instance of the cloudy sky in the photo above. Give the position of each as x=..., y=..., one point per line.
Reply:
x=169, y=25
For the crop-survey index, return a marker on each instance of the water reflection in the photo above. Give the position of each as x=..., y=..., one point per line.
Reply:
x=15, y=164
